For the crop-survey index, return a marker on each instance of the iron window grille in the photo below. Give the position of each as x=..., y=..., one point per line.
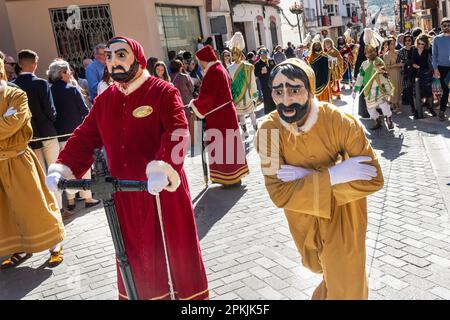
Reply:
x=76, y=44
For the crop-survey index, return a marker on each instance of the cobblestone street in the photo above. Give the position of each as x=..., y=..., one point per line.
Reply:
x=248, y=250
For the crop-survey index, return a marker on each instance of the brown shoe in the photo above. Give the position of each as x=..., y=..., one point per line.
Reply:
x=67, y=214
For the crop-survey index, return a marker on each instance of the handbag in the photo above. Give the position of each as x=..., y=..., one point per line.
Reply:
x=436, y=87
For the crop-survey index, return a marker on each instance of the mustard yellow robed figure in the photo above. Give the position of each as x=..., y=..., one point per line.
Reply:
x=336, y=65
x=30, y=220
x=319, y=167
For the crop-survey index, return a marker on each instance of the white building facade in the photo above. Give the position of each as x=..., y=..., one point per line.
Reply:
x=259, y=21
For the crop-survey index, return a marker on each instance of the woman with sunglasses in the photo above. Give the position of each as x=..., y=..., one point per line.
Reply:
x=421, y=62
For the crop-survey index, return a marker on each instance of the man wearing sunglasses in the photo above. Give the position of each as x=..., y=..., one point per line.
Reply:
x=10, y=64
x=441, y=62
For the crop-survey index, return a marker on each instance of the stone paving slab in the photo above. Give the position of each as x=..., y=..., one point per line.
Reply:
x=245, y=240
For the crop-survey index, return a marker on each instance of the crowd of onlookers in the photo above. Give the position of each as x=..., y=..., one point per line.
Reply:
x=60, y=103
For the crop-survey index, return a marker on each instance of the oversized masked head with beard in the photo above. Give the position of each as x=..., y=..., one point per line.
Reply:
x=125, y=59
x=317, y=47
x=293, y=85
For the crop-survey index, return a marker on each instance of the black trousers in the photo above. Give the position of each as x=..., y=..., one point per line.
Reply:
x=444, y=99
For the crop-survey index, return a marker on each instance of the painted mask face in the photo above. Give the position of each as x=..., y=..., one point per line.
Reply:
x=317, y=47
x=291, y=98
x=236, y=54
x=371, y=53
x=121, y=62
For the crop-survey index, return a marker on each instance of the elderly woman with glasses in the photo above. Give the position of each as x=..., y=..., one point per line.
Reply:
x=71, y=110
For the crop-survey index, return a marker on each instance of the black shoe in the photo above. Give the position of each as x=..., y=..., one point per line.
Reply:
x=442, y=116
x=389, y=122
x=433, y=113
x=377, y=125
x=416, y=115
x=91, y=204
x=71, y=207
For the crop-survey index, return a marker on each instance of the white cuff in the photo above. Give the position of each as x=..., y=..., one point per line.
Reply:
x=172, y=174
x=62, y=169
x=194, y=108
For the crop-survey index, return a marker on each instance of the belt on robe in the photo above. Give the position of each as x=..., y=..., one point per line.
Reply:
x=5, y=155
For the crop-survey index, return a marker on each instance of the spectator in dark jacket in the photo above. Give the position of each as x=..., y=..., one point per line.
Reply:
x=289, y=52
x=41, y=105
x=71, y=110
x=42, y=110
x=262, y=71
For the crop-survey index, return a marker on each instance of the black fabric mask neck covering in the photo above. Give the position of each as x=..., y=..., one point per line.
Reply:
x=300, y=111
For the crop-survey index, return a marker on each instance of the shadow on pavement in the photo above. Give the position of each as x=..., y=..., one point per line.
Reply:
x=213, y=205
x=20, y=281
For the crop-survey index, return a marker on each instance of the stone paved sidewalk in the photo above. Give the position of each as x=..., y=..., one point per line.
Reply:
x=247, y=248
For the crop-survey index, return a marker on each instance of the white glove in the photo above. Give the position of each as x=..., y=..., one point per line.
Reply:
x=156, y=182
x=289, y=173
x=52, y=180
x=351, y=170
x=353, y=95
x=10, y=112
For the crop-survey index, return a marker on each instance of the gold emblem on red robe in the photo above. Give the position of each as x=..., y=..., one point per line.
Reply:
x=142, y=112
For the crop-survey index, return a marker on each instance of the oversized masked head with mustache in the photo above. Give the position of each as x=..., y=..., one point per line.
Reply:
x=121, y=61
x=291, y=90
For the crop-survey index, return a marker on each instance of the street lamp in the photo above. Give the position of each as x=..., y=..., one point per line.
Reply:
x=297, y=9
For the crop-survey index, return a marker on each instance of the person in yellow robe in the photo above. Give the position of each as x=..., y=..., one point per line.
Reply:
x=30, y=220
x=320, y=63
x=319, y=167
x=336, y=65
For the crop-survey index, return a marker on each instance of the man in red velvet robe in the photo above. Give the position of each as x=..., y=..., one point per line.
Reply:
x=226, y=154
x=140, y=122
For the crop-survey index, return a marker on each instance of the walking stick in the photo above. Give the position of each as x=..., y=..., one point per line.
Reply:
x=161, y=223
x=204, y=164
x=104, y=187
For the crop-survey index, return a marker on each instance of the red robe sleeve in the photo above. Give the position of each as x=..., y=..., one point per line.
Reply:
x=77, y=156
x=174, y=139
x=205, y=100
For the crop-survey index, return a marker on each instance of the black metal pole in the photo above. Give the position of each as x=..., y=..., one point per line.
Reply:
x=104, y=187
x=122, y=258
x=401, y=17
x=204, y=164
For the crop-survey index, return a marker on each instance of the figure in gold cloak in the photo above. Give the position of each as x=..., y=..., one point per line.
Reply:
x=319, y=62
x=30, y=220
x=319, y=167
x=336, y=65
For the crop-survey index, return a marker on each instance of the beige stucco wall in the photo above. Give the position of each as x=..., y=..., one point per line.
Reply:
x=6, y=39
x=134, y=18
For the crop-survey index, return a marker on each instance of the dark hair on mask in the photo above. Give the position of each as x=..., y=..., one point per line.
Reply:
x=291, y=72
